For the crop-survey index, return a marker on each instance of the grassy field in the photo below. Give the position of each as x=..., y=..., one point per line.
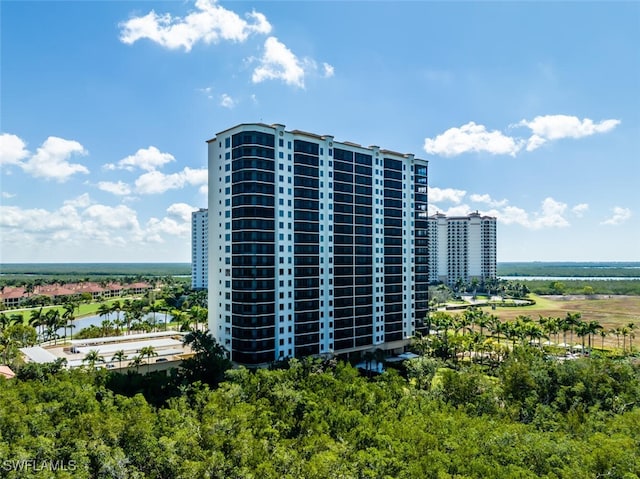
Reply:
x=611, y=312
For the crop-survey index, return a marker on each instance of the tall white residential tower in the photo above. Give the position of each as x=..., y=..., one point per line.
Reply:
x=462, y=248
x=200, y=249
x=316, y=246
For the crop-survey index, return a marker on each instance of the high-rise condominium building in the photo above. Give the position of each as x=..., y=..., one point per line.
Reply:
x=316, y=246
x=462, y=248
x=199, y=249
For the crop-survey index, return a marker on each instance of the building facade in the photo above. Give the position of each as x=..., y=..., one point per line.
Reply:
x=462, y=248
x=317, y=247
x=200, y=249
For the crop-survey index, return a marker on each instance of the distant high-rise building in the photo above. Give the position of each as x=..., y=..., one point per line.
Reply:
x=462, y=248
x=200, y=249
x=317, y=247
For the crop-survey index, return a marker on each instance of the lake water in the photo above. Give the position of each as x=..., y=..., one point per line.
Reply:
x=87, y=321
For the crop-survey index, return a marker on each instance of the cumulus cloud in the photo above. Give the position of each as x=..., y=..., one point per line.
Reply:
x=556, y=127
x=145, y=159
x=51, y=160
x=328, y=70
x=81, y=220
x=487, y=199
x=6, y=194
x=117, y=188
x=580, y=210
x=12, y=149
x=436, y=195
x=278, y=62
x=619, y=216
x=209, y=23
x=226, y=101
x=155, y=182
x=176, y=223
x=551, y=214
x=472, y=138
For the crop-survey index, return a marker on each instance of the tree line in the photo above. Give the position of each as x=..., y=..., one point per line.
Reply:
x=534, y=418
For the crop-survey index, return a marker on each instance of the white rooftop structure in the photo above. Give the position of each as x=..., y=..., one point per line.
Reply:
x=36, y=354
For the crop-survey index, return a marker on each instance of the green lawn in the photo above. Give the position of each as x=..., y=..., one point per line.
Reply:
x=82, y=310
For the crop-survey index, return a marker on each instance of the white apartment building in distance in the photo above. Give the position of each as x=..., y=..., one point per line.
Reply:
x=200, y=249
x=461, y=248
x=316, y=246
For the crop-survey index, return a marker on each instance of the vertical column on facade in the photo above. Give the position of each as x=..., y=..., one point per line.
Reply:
x=253, y=247
x=326, y=246
x=343, y=249
x=378, y=248
x=307, y=210
x=422, y=243
x=393, y=234
x=363, y=249
x=284, y=236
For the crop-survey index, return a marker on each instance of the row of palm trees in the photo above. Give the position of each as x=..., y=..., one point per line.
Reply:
x=466, y=332
x=134, y=314
x=93, y=357
x=47, y=324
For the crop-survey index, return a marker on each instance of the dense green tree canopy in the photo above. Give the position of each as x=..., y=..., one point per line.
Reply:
x=536, y=418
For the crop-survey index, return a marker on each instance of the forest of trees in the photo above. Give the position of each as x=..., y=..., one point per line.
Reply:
x=531, y=417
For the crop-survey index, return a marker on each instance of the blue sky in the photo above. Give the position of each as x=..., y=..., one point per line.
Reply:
x=526, y=111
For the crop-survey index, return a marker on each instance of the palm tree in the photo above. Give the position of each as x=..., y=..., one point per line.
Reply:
x=603, y=334
x=136, y=362
x=582, y=330
x=148, y=352
x=572, y=320
x=116, y=308
x=104, y=310
x=93, y=357
x=68, y=316
x=592, y=328
x=36, y=320
x=624, y=331
x=632, y=335
x=198, y=314
x=53, y=322
x=119, y=356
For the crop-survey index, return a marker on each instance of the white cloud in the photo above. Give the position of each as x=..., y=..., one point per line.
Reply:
x=210, y=23
x=328, y=70
x=81, y=201
x=6, y=194
x=279, y=63
x=551, y=216
x=80, y=220
x=181, y=211
x=207, y=91
x=176, y=223
x=51, y=160
x=620, y=215
x=226, y=101
x=155, y=182
x=472, y=138
x=437, y=195
x=12, y=149
x=513, y=215
x=475, y=138
x=556, y=127
x=145, y=159
x=487, y=199
x=117, y=188
x=580, y=210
